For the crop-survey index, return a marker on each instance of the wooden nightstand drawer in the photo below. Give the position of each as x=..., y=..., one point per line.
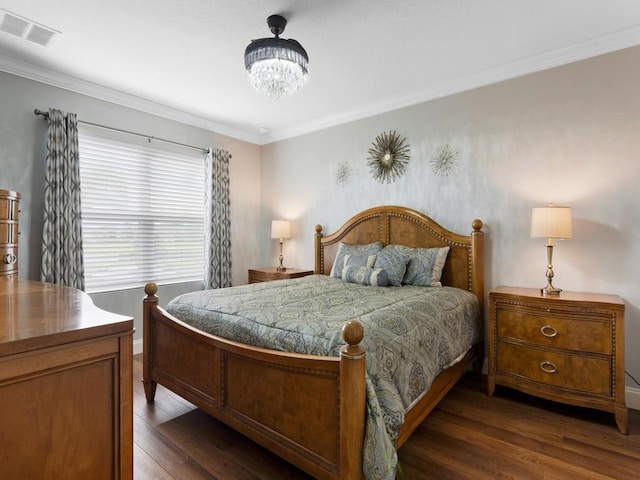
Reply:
x=257, y=275
x=588, y=374
x=567, y=347
x=588, y=334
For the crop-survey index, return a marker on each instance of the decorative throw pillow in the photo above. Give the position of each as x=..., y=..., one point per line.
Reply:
x=363, y=275
x=394, y=262
x=350, y=249
x=425, y=265
x=359, y=260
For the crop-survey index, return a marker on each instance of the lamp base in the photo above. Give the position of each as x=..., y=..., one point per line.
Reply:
x=550, y=290
x=280, y=268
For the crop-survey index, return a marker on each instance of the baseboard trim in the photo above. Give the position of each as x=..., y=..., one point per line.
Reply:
x=632, y=398
x=137, y=346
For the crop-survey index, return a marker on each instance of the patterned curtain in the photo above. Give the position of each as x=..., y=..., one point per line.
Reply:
x=62, y=230
x=217, y=220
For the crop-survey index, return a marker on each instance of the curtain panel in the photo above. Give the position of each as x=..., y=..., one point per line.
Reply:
x=217, y=220
x=62, y=257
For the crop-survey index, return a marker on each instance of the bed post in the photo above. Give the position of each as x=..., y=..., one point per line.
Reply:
x=352, y=401
x=318, y=244
x=477, y=283
x=149, y=303
x=477, y=256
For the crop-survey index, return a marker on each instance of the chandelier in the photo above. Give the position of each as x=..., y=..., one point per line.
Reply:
x=277, y=67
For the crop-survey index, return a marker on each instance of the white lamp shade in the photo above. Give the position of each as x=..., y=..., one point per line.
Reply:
x=280, y=229
x=551, y=222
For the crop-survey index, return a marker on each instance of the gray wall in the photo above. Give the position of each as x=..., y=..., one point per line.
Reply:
x=22, y=154
x=569, y=135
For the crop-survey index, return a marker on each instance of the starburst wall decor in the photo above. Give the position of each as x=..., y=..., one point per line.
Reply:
x=444, y=160
x=343, y=173
x=388, y=157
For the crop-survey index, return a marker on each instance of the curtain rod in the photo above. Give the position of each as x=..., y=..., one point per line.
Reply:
x=46, y=115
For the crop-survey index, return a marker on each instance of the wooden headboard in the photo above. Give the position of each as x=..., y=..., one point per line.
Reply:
x=404, y=226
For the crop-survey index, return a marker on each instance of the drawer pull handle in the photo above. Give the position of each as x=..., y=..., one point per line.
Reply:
x=548, y=367
x=9, y=258
x=548, y=331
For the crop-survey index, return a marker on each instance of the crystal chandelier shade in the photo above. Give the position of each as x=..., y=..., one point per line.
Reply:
x=276, y=67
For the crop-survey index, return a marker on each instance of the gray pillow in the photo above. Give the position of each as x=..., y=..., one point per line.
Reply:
x=394, y=262
x=349, y=249
x=365, y=276
x=359, y=260
x=425, y=265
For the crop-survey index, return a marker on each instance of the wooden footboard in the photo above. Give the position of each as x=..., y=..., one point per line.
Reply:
x=307, y=409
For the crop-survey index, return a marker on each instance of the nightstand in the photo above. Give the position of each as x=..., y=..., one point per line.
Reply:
x=568, y=347
x=257, y=275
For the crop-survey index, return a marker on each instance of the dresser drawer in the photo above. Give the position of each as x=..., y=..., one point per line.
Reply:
x=589, y=333
x=9, y=205
x=8, y=231
x=8, y=260
x=587, y=374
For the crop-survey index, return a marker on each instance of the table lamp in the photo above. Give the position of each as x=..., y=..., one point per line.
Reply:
x=552, y=223
x=280, y=229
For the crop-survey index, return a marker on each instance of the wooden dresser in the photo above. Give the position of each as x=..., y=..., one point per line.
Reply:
x=66, y=391
x=567, y=348
x=9, y=208
x=257, y=275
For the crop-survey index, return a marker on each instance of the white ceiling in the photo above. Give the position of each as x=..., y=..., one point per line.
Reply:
x=183, y=59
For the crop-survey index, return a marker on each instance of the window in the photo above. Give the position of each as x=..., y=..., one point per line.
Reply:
x=142, y=211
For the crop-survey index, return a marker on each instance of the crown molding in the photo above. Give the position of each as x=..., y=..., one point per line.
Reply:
x=537, y=63
x=56, y=79
x=592, y=48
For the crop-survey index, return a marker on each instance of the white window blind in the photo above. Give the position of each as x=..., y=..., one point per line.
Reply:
x=142, y=211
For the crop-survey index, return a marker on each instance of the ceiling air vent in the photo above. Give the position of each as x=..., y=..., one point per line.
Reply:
x=24, y=28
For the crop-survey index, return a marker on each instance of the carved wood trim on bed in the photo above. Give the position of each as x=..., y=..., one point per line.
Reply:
x=405, y=226
x=308, y=409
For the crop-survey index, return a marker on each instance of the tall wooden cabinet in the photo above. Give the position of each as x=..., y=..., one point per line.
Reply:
x=9, y=208
x=66, y=389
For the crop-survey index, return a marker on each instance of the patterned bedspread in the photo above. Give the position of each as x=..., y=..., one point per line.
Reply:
x=411, y=334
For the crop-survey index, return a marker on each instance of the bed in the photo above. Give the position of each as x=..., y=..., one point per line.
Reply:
x=311, y=410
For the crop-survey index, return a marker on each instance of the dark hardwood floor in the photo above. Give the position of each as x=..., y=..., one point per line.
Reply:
x=469, y=436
